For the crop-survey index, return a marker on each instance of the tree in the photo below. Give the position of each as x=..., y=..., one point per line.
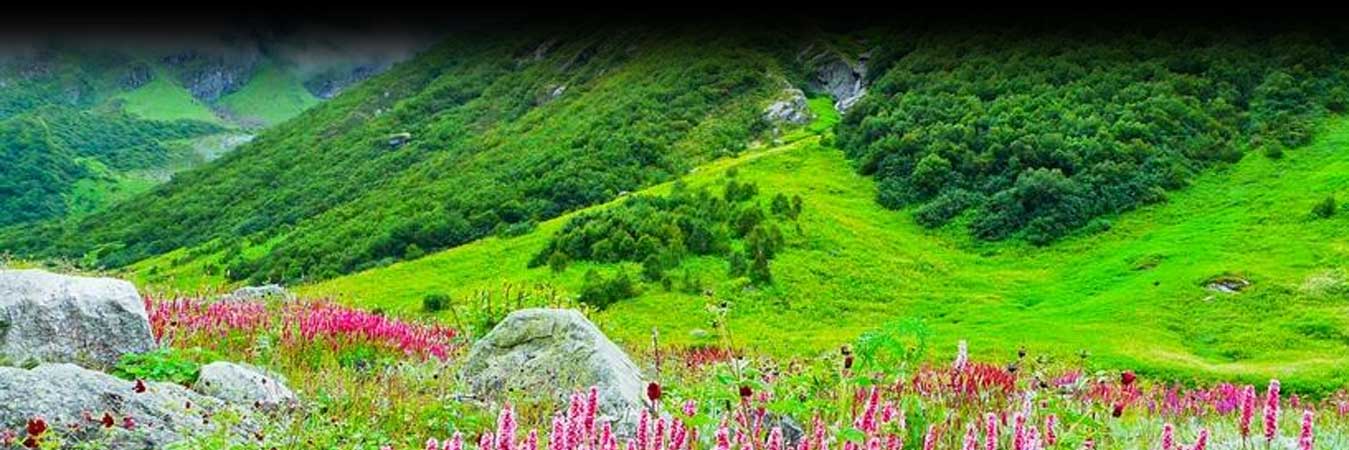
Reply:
x=558, y=262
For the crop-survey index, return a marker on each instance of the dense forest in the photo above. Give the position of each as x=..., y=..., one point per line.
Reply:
x=48, y=150
x=1035, y=136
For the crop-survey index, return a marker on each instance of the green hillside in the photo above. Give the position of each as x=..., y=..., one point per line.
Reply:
x=271, y=96
x=1132, y=295
x=163, y=99
x=495, y=141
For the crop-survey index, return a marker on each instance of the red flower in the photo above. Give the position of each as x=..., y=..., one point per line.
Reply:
x=31, y=442
x=107, y=420
x=653, y=391
x=37, y=426
x=745, y=392
x=128, y=423
x=1119, y=410
x=140, y=387
x=1127, y=378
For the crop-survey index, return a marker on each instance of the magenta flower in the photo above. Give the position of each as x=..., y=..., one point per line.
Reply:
x=991, y=431
x=1306, y=439
x=1247, y=410
x=1168, y=437
x=1051, y=432
x=1272, y=411
x=971, y=437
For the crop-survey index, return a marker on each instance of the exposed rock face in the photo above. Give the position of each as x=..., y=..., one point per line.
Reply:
x=244, y=385
x=66, y=395
x=211, y=76
x=136, y=75
x=843, y=79
x=554, y=352
x=259, y=293
x=329, y=83
x=791, y=110
x=55, y=318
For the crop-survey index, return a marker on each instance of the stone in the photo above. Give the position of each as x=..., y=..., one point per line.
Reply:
x=552, y=353
x=46, y=317
x=792, y=109
x=264, y=292
x=244, y=385
x=74, y=400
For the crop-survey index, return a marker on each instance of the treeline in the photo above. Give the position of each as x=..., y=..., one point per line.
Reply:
x=658, y=232
x=1036, y=136
x=505, y=130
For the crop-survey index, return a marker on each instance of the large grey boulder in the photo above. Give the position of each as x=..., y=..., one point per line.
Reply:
x=45, y=317
x=244, y=385
x=74, y=400
x=792, y=109
x=551, y=353
x=842, y=78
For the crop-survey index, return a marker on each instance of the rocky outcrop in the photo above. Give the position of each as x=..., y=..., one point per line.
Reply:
x=95, y=408
x=45, y=317
x=792, y=109
x=209, y=76
x=329, y=83
x=552, y=353
x=244, y=385
x=264, y=292
x=841, y=77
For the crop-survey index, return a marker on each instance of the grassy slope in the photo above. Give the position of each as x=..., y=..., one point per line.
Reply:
x=273, y=95
x=855, y=266
x=162, y=99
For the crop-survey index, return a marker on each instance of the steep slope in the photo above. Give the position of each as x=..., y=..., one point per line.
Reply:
x=1134, y=296
x=131, y=113
x=487, y=133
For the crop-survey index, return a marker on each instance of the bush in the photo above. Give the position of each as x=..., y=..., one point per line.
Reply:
x=600, y=292
x=434, y=303
x=165, y=364
x=1326, y=208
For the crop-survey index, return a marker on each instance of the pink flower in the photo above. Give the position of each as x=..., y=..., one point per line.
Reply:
x=930, y=439
x=723, y=438
x=1272, y=411
x=505, y=434
x=456, y=442
x=971, y=437
x=1202, y=441
x=1019, y=432
x=1168, y=437
x=1247, y=410
x=1306, y=439
x=1051, y=432
x=432, y=444
x=991, y=431
x=775, y=439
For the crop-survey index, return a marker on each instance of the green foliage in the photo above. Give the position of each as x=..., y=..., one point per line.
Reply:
x=600, y=292
x=433, y=303
x=165, y=364
x=1325, y=208
x=1038, y=135
x=490, y=149
x=660, y=231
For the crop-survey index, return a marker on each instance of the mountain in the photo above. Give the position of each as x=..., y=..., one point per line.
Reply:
x=1109, y=190
x=128, y=114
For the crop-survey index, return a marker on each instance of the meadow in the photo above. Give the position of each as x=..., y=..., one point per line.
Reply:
x=1130, y=292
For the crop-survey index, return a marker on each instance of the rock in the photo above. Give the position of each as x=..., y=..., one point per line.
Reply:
x=244, y=385
x=1227, y=284
x=259, y=293
x=398, y=139
x=329, y=83
x=46, y=317
x=791, y=110
x=552, y=353
x=791, y=430
x=210, y=75
x=73, y=399
x=842, y=79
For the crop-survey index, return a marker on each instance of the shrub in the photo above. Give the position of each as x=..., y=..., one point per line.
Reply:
x=434, y=303
x=1326, y=208
x=165, y=364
